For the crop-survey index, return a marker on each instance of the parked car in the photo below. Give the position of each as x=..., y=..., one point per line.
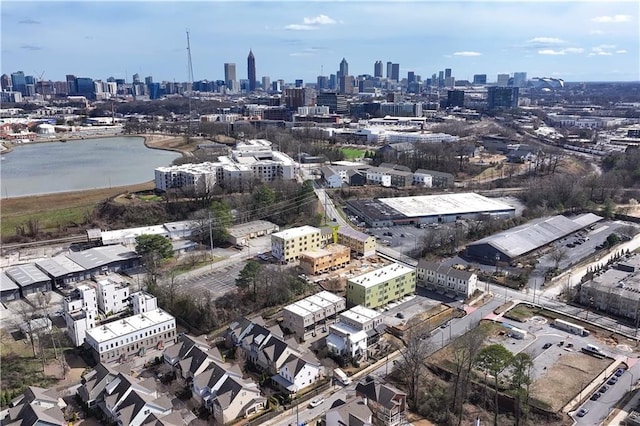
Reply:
x=619, y=372
x=582, y=412
x=595, y=396
x=547, y=346
x=400, y=315
x=316, y=401
x=603, y=389
x=612, y=381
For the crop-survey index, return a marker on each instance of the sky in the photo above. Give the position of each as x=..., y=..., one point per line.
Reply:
x=572, y=40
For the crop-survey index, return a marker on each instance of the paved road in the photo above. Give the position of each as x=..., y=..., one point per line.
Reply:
x=439, y=338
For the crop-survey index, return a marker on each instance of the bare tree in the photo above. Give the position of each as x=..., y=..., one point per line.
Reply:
x=412, y=365
x=465, y=352
x=558, y=255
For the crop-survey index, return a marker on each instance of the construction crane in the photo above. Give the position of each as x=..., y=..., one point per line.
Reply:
x=189, y=84
x=39, y=80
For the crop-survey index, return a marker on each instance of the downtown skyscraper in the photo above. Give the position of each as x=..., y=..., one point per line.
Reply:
x=251, y=71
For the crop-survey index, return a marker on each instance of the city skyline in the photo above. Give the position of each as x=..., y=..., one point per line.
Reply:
x=575, y=41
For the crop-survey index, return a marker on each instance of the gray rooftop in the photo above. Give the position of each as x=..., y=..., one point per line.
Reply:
x=251, y=227
x=25, y=275
x=58, y=266
x=101, y=256
x=522, y=239
x=6, y=283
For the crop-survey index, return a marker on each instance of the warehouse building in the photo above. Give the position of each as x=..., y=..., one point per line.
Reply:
x=241, y=234
x=29, y=278
x=381, y=286
x=426, y=209
x=513, y=243
x=9, y=290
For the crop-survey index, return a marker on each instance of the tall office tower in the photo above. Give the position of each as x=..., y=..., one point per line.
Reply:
x=503, y=80
x=19, y=82
x=333, y=82
x=346, y=84
x=85, y=87
x=395, y=72
x=299, y=82
x=479, y=79
x=502, y=97
x=455, y=98
x=230, y=76
x=72, y=89
x=411, y=77
x=449, y=81
x=377, y=69
x=447, y=72
x=275, y=86
x=5, y=83
x=440, y=78
x=389, y=69
x=519, y=79
x=148, y=80
x=266, y=82
x=337, y=103
x=344, y=67
x=136, y=78
x=251, y=71
x=322, y=82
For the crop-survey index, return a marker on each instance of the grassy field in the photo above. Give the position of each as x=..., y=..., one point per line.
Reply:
x=352, y=153
x=56, y=211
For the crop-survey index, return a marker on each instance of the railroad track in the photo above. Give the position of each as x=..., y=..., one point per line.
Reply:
x=16, y=246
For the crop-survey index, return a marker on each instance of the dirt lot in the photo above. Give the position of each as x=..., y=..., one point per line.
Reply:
x=565, y=378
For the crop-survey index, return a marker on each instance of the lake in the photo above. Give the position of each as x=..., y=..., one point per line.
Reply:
x=44, y=168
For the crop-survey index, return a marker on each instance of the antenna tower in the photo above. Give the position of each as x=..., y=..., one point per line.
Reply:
x=189, y=84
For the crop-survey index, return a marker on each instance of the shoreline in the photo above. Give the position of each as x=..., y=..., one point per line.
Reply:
x=148, y=140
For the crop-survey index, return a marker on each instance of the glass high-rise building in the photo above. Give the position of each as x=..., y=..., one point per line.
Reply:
x=377, y=69
x=251, y=71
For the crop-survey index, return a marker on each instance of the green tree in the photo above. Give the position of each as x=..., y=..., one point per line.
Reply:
x=493, y=360
x=262, y=197
x=221, y=220
x=612, y=240
x=248, y=277
x=156, y=246
x=521, y=365
x=153, y=249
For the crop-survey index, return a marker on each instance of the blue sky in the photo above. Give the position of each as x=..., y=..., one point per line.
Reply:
x=573, y=40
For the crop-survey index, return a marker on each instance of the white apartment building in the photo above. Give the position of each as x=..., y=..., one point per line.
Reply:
x=249, y=160
x=113, y=294
x=422, y=179
x=379, y=176
x=304, y=317
x=286, y=246
x=444, y=278
x=132, y=336
x=142, y=302
x=80, y=313
x=354, y=332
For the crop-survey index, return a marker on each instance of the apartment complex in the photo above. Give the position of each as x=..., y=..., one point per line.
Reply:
x=132, y=336
x=360, y=243
x=321, y=260
x=356, y=330
x=305, y=317
x=381, y=286
x=615, y=290
x=113, y=294
x=439, y=277
x=80, y=313
x=249, y=161
x=288, y=245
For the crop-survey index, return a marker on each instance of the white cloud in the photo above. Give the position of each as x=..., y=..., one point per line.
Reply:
x=612, y=19
x=603, y=50
x=551, y=52
x=300, y=27
x=596, y=32
x=467, y=53
x=621, y=51
x=319, y=20
x=560, y=51
x=545, y=40
x=313, y=23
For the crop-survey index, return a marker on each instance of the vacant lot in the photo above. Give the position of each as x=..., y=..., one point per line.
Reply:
x=56, y=212
x=566, y=378
x=352, y=153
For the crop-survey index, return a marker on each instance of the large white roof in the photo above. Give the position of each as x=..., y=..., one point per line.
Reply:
x=296, y=232
x=444, y=204
x=135, y=323
x=380, y=275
